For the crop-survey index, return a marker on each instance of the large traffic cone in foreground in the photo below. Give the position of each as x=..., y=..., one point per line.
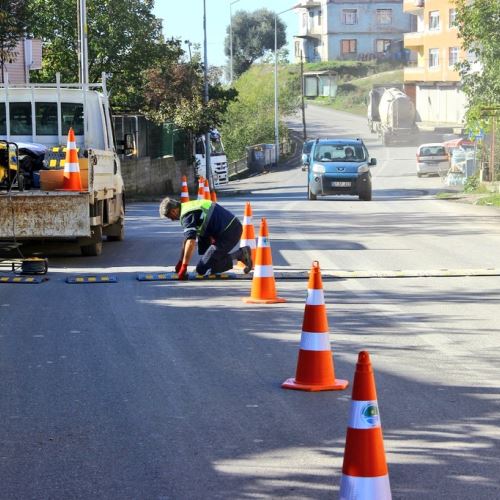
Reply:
x=315, y=371
x=201, y=188
x=72, y=180
x=248, y=233
x=184, y=190
x=263, y=283
x=206, y=191
x=364, y=473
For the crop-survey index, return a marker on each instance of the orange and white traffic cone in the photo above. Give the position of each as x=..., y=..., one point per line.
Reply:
x=206, y=191
x=72, y=180
x=201, y=188
x=263, y=283
x=213, y=196
x=248, y=233
x=315, y=370
x=364, y=473
x=184, y=190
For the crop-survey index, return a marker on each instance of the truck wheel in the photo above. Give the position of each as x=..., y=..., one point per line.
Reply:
x=95, y=248
x=118, y=230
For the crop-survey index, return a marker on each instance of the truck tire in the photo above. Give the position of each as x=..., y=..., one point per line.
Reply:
x=95, y=248
x=116, y=232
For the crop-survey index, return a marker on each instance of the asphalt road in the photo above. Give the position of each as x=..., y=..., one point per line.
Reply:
x=167, y=390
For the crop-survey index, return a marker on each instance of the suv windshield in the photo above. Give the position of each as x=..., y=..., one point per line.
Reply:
x=339, y=152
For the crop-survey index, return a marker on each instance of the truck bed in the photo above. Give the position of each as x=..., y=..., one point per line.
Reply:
x=44, y=214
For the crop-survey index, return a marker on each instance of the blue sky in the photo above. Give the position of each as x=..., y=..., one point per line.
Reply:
x=184, y=19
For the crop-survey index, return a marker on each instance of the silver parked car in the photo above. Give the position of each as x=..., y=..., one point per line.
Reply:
x=432, y=159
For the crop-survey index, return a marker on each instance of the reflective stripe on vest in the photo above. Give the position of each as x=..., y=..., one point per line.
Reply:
x=206, y=207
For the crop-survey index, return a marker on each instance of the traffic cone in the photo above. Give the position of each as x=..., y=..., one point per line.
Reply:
x=184, y=190
x=248, y=233
x=71, y=180
x=263, y=284
x=201, y=189
x=213, y=195
x=364, y=472
x=206, y=191
x=315, y=371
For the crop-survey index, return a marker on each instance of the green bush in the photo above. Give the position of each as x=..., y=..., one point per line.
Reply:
x=471, y=184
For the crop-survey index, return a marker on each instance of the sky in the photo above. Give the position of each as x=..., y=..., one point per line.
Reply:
x=184, y=19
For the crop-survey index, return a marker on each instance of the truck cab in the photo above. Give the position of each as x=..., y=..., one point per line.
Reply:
x=218, y=158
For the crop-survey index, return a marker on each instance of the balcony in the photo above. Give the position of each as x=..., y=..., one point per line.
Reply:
x=414, y=40
x=413, y=6
x=414, y=74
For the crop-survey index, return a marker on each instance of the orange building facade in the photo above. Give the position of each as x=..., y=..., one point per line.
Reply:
x=432, y=78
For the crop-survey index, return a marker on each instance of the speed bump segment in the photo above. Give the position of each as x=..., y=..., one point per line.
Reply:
x=33, y=280
x=172, y=276
x=78, y=280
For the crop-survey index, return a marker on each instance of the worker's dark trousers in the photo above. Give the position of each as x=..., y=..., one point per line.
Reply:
x=217, y=257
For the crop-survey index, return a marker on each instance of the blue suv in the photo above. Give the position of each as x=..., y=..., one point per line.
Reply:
x=339, y=166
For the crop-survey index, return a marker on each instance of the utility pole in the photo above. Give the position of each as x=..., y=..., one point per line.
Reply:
x=83, y=42
x=304, y=132
x=231, y=40
x=208, y=151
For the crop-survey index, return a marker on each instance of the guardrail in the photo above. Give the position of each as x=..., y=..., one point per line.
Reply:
x=236, y=168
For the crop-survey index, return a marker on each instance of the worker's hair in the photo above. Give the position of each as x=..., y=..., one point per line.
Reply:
x=166, y=205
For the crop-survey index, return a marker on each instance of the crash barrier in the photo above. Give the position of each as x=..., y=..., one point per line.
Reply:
x=364, y=472
x=315, y=369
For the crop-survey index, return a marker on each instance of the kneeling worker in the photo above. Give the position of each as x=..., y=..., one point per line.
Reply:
x=218, y=231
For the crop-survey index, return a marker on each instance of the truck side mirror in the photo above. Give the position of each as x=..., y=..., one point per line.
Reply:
x=128, y=144
x=373, y=161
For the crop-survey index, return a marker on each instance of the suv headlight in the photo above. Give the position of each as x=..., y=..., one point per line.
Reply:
x=363, y=169
x=318, y=169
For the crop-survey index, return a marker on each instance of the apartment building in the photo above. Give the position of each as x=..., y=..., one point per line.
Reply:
x=350, y=29
x=433, y=82
x=27, y=56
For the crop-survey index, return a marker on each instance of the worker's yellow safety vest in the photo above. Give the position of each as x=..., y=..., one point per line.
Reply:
x=206, y=206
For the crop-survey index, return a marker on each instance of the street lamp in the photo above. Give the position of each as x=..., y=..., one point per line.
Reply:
x=231, y=40
x=208, y=152
x=276, y=115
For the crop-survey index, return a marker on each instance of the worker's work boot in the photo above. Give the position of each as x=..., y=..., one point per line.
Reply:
x=246, y=258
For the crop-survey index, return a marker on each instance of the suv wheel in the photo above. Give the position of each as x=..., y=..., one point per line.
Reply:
x=366, y=194
x=311, y=196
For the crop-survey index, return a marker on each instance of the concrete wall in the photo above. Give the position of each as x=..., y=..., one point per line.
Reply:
x=147, y=178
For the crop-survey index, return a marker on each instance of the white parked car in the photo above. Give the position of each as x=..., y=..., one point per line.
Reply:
x=432, y=159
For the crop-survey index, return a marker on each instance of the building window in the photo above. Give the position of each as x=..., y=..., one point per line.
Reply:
x=381, y=46
x=434, y=20
x=433, y=58
x=349, y=46
x=452, y=56
x=297, y=49
x=452, y=18
x=319, y=17
x=384, y=16
x=349, y=16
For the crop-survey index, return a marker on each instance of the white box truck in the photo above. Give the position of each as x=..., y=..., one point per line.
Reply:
x=34, y=123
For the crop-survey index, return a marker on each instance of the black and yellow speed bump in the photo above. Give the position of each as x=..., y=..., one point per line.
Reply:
x=33, y=280
x=79, y=279
x=172, y=276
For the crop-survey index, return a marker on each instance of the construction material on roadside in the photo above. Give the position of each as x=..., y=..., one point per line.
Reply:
x=315, y=367
x=263, y=282
x=364, y=472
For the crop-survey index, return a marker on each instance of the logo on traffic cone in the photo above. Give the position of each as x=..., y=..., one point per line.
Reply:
x=206, y=191
x=263, y=283
x=248, y=233
x=201, y=189
x=315, y=370
x=364, y=473
x=72, y=180
x=184, y=190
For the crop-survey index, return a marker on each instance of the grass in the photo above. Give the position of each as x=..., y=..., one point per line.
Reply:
x=352, y=96
x=490, y=200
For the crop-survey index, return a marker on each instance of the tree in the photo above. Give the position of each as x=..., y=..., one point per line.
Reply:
x=13, y=21
x=124, y=39
x=478, y=23
x=253, y=36
x=174, y=92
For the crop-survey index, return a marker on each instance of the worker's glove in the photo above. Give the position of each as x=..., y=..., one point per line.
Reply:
x=178, y=266
x=182, y=274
